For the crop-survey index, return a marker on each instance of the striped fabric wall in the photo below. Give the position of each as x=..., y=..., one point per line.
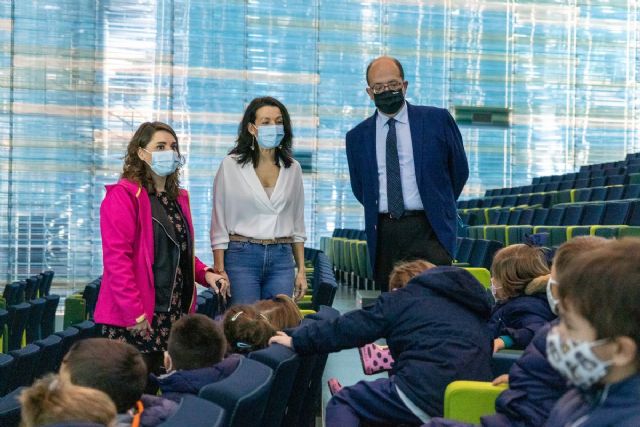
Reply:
x=77, y=77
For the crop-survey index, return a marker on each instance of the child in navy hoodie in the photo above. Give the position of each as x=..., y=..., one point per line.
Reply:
x=534, y=386
x=435, y=328
x=519, y=274
x=194, y=357
x=596, y=346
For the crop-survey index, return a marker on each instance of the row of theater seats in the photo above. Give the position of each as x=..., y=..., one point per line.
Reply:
x=610, y=173
x=550, y=198
x=286, y=386
x=27, y=311
x=347, y=251
x=271, y=387
x=562, y=222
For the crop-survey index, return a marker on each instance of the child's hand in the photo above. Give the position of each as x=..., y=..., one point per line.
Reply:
x=498, y=344
x=502, y=379
x=282, y=339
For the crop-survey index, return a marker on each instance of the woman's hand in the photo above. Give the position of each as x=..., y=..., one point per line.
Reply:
x=282, y=339
x=300, y=285
x=219, y=283
x=143, y=328
x=498, y=344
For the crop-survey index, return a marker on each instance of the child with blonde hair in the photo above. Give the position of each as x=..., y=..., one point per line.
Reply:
x=281, y=311
x=519, y=275
x=51, y=400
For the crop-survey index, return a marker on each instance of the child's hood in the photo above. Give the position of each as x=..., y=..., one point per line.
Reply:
x=458, y=285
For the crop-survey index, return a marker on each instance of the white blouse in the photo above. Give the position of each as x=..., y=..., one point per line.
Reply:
x=241, y=204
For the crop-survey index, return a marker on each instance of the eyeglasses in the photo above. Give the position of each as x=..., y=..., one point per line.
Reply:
x=393, y=85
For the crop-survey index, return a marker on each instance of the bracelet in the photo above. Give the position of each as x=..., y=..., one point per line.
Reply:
x=215, y=270
x=141, y=318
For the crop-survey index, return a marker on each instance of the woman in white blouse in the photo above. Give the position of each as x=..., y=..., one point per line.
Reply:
x=257, y=221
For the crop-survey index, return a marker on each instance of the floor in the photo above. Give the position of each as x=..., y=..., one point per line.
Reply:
x=345, y=366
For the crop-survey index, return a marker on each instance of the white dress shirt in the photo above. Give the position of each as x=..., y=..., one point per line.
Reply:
x=241, y=204
x=410, y=192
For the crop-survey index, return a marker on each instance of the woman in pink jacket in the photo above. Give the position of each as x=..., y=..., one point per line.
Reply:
x=148, y=247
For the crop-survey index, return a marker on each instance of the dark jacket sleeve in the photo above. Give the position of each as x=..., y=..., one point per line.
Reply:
x=354, y=175
x=534, y=386
x=458, y=165
x=353, y=329
x=528, y=324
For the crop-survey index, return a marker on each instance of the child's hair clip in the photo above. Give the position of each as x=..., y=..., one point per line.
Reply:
x=243, y=345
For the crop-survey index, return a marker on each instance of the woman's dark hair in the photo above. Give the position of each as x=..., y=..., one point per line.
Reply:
x=246, y=141
x=137, y=170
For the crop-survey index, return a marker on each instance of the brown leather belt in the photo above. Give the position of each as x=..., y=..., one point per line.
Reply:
x=276, y=241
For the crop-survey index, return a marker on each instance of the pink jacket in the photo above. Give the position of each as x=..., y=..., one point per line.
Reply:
x=127, y=289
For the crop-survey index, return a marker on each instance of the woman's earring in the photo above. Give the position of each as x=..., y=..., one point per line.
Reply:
x=254, y=143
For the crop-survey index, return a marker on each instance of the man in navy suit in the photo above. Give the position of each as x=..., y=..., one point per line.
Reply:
x=408, y=167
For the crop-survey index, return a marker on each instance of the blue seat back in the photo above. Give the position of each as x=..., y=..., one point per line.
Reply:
x=284, y=362
x=243, y=394
x=592, y=214
x=503, y=360
x=6, y=372
x=14, y=293
x=31, y=288
x=10, y=409
x=514, y=217
x=615, y=180
x=572, y=215
x=615, y=193
x=615, y=213
x=582, y=194
x=26, y=363
x=34, y=325
x=17, y=324
x=598, y=194
x=634, y=214
x=69, y=337
x=45, y=285
x=51, y=354
x=632, y=191
x=90, y=295
x=539, y=216
x=464, y=250
x=49, y=315
x=196, y=412
x=554, y=216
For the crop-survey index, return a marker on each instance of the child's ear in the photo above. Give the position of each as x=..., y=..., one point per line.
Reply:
x=626, y=352
x=167, y=362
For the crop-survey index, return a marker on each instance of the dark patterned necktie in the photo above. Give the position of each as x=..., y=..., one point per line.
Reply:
x=394, y=184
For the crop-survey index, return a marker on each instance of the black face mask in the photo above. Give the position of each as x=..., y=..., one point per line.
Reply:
x=389, y=102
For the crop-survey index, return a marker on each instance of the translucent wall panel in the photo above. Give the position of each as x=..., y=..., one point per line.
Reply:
x=77, y=78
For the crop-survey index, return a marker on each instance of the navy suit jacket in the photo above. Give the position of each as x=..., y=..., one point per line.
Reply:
x=441, y=171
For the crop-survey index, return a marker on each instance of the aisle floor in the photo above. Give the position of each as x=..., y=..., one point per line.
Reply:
x=345, y=365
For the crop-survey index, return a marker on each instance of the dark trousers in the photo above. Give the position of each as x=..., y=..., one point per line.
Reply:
x=371, y=403
x=405, y=239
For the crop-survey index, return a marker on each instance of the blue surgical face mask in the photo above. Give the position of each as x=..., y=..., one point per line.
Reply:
x=164, y=163
x=270, y=136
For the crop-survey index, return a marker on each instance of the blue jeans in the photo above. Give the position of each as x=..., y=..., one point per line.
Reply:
x=259, y=271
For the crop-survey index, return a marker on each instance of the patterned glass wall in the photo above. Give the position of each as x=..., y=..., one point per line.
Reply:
x=76, y=78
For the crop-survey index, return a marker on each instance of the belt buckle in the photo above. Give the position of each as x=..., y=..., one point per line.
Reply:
x=268, y=241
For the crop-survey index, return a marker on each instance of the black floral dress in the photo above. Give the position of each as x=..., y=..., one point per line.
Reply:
x=161, y=323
